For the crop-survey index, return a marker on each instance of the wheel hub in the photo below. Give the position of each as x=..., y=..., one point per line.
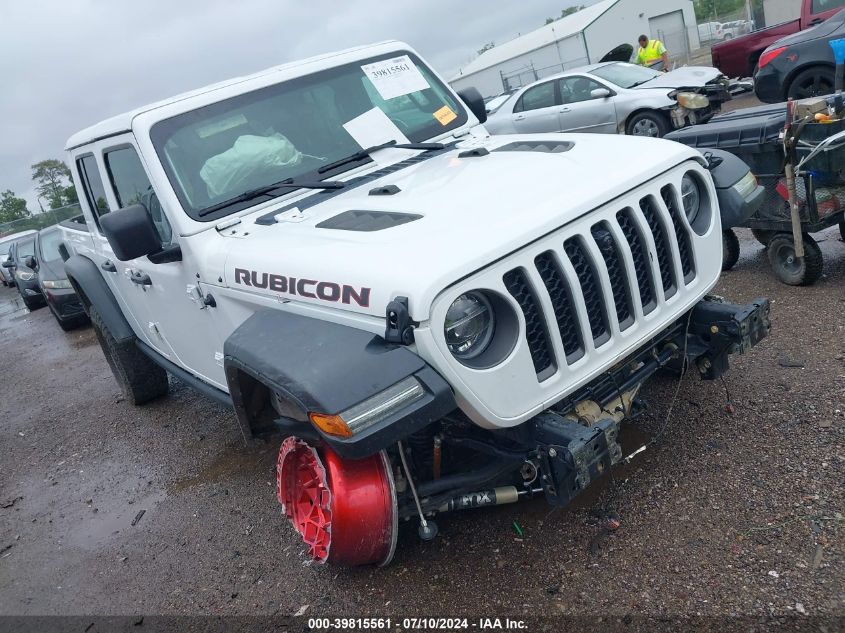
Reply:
x=645, y=128
x=344, y=510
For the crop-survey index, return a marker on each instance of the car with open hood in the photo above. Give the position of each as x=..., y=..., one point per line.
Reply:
x=423, y=317
x=611, y=98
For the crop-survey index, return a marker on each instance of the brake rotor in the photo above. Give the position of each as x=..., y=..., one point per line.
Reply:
x=345, y=510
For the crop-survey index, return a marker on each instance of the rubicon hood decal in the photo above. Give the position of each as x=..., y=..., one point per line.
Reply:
x=310, y=288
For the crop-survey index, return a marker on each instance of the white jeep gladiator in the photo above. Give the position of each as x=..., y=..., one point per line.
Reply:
x=427, y=317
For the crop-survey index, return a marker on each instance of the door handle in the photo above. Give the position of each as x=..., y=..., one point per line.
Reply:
x=816, y=21
x=519, y=117
x=108, y=266
x=140, y=278
x=565, y=110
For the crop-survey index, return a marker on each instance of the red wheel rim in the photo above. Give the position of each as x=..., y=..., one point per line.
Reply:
x=345, y=510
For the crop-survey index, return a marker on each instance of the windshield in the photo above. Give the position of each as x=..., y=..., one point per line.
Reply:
x=49, y=244
x=25, y=249
x=625, y=75
x=290, y=129
x=496, y=103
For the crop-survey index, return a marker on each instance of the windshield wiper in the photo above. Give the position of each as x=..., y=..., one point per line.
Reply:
x=365, y=153
x=288, y=183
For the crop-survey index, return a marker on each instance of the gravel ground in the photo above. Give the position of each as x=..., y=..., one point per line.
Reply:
x=727, y=514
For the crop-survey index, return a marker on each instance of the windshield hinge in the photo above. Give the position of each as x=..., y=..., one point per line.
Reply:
x=227, y=224
x=399, y=328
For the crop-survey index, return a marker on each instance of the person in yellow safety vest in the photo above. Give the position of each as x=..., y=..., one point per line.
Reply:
x=652, y=51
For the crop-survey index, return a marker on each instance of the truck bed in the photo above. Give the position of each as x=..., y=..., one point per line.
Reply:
x=738, y=57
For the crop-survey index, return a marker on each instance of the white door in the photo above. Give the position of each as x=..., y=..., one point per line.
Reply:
x=94, y=195
x=179, y=325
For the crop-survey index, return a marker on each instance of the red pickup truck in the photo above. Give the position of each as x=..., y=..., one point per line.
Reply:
x=738, y=57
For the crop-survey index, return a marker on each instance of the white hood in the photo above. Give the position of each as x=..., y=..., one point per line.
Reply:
x=474, y=210
x=685, y=77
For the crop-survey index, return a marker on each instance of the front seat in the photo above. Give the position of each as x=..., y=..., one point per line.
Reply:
x=580, y=90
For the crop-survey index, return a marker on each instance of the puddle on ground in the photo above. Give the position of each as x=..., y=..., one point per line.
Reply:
x=99, y=527
x=227, y=466
x=11, y=302
x=82, y=338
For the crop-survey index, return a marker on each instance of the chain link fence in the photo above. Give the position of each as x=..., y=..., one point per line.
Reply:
x=529, y=73
x=718, y=27
x=40, y=220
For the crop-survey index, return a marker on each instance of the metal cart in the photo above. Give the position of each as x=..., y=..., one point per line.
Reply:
x=801, y=164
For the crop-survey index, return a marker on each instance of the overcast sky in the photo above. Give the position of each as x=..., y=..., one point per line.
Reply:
x=66, y=64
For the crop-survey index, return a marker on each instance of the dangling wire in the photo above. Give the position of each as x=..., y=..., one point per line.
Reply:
x=684, y=364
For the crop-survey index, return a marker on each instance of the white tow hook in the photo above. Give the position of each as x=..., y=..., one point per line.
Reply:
x=628, y=459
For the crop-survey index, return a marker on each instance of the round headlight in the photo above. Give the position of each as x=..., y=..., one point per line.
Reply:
x=691, y=197
x=469, y=326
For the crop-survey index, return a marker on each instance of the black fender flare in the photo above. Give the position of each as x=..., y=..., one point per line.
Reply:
x=89, y=284
x=726, y=172
x=315, y=366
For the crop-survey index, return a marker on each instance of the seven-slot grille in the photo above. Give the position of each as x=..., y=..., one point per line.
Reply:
x=603, y=281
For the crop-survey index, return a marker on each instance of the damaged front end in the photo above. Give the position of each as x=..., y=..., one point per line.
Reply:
x=700, y=104
x=348, y=510
x=561, y=451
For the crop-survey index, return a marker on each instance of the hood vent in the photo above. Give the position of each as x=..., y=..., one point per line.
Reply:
x=547, y=147
x=367, y=220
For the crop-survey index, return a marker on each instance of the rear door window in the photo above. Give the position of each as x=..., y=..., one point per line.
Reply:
x=92, y=185
x=542, y=96
x=821, y=6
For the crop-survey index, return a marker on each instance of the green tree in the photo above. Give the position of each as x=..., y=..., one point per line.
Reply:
x=50, y=177
x=11, y=207
x=568, y=11
x=710, y=10
x=71, y=196
x=486, y=47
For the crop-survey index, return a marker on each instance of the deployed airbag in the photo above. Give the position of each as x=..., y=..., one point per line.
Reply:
x=251, y=162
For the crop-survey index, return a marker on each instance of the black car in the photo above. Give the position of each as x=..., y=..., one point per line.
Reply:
x=800, y=65
x=26, y=279
x=62, y=299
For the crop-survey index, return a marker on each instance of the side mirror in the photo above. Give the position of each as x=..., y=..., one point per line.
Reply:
x=63, y=252
x=131, y=232
x=475, y=102
x=600, y=93
x=8, y=264
x=30, y=262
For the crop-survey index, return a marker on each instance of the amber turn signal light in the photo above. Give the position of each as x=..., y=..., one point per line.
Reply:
x=330, y=424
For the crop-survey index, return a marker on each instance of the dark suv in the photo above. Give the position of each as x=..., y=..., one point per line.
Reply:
x=61, y=298
x=26, y=279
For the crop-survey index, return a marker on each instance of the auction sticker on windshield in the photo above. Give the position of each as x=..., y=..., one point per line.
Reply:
x=445, y=115
x=395, y=77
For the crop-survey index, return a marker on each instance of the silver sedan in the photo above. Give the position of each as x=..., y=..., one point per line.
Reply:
x=614, y=97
